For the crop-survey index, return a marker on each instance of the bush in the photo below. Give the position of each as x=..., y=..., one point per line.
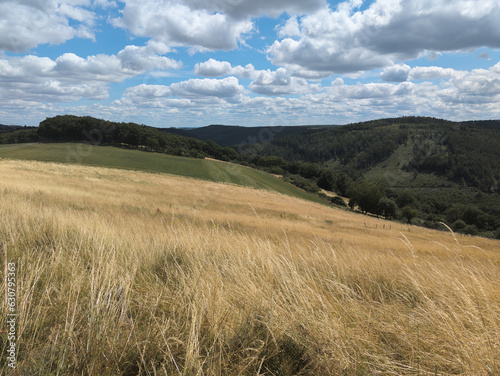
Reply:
x=470, y=230
x=409, y=213
x=431, y=224
x=339, y=201
x=302, y=183
x=458, y=225
x=387, y=207
x=276, y=170
x=405, y=199
x=366, y=195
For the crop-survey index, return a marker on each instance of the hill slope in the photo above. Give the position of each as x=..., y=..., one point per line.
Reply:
x=416, y=169
x=241, y=137
x=107, y=156
x=461, y=152
x=439, y=170
x=127, y=273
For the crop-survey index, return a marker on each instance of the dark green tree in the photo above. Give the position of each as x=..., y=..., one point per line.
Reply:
x=409, y=213
x=387, y=207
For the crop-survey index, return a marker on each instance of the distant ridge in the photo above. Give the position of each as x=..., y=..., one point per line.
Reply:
x=234, y=135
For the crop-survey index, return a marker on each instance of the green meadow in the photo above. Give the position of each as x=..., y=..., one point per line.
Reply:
x=107, y=156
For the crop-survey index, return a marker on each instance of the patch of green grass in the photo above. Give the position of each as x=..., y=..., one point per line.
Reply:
x=107, y=156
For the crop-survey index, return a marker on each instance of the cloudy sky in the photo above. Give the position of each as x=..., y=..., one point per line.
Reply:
x=249, y=62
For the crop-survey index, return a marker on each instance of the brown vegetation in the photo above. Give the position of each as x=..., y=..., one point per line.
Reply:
x=127, y=273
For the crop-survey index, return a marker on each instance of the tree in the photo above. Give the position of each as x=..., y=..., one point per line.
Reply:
x=409, y=213
x=367, y=196
x=337, y=200
x=458, y=225
x=152, y=143
x=326, y=180
x=309, y=170
x=405, y=199
x=387, y=207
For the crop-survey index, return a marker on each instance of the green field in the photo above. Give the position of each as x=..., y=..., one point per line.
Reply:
x=107, y=156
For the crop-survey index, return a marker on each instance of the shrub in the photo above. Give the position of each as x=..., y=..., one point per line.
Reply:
x=339, y=201
x=409, y=213
x=470, y=230
x=387, y=207
x=458, y=225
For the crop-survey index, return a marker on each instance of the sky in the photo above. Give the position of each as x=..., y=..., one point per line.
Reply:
x=191, y=63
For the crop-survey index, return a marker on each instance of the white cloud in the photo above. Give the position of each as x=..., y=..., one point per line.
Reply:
x=224, y=88
x=216, y=68
x=460, y=96
x=213, y=68
x=280, y=82
x=195, y=89
x=176, y=24
x=76, y=13
x=431, y=73
x=396, y=73
x=204, y=25
x=139, y=59
x=290, y=28
x=105, y=4
x=348, y=40
x=27, y=24
x=267, y=82
x=476, y=87
x=71, y=77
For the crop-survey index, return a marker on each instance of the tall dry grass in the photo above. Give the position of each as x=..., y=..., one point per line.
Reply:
x=224, y=280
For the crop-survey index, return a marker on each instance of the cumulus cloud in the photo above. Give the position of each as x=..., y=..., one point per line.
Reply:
x=177, y=24
x=477, y=86
x=349, y=40
x=396, y=73
x=216, y=68
x=195, y=88
x=280, y=82
x=27, y=24
x=432, y=73
x=224, y=88
x=289, y=29
x=403, y=72
x=105, y=3
x=71, y=77
x=204, y=25
x=213, y=68
x=240, y=9
x=459, y=96
x=267, y=82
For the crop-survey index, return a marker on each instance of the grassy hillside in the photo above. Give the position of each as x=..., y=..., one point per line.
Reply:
x=416, y=169
x=128, y=273
x=438, y=170
x=151, y=162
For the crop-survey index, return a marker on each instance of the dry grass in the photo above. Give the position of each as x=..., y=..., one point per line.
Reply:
x=126, y=273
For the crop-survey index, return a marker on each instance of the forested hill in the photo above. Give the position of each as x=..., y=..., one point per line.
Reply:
x=467, y=152
x=69, y=128
x=241, y=137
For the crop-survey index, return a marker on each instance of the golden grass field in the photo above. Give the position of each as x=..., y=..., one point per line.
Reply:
x=130, y=273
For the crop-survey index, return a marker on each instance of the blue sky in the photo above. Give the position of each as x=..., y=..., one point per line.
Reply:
x=177, y=63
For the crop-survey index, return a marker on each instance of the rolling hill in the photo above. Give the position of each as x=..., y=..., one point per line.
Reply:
x=122, y=272
x=231, y=135
x=416, y=169
x=440, y=170
x=107, y=156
